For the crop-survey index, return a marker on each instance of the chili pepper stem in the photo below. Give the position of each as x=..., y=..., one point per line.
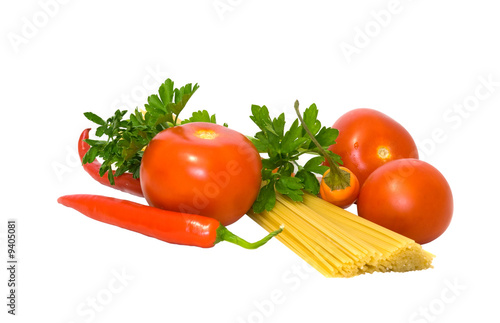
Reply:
x=336, y=179
x=223, y=234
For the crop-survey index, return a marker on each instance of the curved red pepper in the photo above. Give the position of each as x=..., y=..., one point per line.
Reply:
x=125, y=182
x=168, y=226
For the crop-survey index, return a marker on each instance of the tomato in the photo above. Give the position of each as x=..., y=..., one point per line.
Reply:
x=368, y=139
x=201, y=168
x=408, y=196
x=341, y=198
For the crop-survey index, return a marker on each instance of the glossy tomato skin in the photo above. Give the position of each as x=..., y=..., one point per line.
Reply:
x=408, y=196
x=201, y=168
x=368, y=139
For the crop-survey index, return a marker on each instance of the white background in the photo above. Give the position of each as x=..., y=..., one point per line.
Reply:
x=416, y=64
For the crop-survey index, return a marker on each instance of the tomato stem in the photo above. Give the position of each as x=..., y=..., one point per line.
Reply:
x=223, y=234
x=336, y=179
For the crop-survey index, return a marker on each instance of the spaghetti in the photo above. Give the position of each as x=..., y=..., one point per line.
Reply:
x=338, y=243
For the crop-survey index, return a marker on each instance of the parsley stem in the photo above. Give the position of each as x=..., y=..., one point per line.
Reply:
x=339, y=176
x=297, y=164
x=306, y=128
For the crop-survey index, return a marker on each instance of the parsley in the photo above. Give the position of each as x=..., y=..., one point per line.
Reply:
x=201, y=116
x=284, y=149
x=126, y=138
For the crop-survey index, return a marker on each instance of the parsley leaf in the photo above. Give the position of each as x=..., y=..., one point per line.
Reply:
x=266, y=198
x=201, y=116
x=127, y=137
x=283, y=149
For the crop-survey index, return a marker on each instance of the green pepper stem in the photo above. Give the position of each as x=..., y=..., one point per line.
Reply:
x=223, y=234
x=337, y=178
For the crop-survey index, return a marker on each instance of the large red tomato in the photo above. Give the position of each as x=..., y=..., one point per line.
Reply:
x=408, y=196
x=368, y=139
x=201, y=168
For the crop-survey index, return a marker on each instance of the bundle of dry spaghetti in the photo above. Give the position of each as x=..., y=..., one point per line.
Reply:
x=338, y=243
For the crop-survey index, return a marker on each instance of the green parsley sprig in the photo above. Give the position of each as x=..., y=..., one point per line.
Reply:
x=127, y=137
x=284, y=149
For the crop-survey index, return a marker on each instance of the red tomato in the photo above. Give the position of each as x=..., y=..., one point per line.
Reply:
x=368, y=139
x=201, y=168
x=408, y=196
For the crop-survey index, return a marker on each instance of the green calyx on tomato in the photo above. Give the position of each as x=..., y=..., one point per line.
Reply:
x=201, y=168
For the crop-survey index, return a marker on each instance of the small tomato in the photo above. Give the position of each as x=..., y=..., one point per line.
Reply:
x=342, y=198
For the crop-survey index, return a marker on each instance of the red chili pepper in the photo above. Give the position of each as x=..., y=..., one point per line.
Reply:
x=125, y=182
x=168, y=226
